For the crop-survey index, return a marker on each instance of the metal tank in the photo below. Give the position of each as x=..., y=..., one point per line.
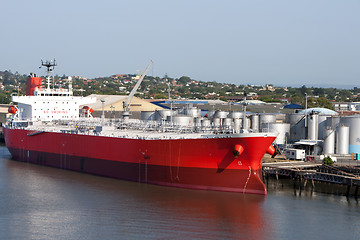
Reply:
x=210, y=114
x=220, y=114
x=216, y=122
x=267, y=118
x=147, y=115
x=342, y=139
x=198, y=121
x=194, y=112
x=354, y=136
x=163, y=114
x=205, y=123
x=297, y=126
x=322, y=126
x=227, y=122
x=247, y=123
x=312, y=126
x=234, y=114
x=182, y=120
x=255, y=122
x=237, y=124
x=283, y=130
x=329, y=141
x=332, y=122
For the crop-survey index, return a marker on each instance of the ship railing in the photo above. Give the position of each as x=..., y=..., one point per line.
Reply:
x=146, y=126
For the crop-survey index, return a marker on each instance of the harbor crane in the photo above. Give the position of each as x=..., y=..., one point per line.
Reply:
x=127, y=102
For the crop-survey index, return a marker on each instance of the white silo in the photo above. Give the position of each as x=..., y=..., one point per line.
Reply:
x=322, y=125
x=297, y=126
x=354, y=136
x=283, y=130
x=329, y=141
x=312, y=126
x=332, y=122
x=342, y=139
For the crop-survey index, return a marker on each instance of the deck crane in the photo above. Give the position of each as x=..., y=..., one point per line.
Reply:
x=127, y=102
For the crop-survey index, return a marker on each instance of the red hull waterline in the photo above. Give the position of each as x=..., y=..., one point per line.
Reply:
x=203, y=163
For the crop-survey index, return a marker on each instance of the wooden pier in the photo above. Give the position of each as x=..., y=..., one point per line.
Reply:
x=305, y=172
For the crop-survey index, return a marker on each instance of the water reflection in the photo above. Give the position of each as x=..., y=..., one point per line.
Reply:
x=47, y=203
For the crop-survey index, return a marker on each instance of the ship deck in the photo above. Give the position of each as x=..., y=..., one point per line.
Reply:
x=149, y=130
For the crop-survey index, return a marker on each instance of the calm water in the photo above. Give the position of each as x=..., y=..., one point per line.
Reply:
x=46, y=203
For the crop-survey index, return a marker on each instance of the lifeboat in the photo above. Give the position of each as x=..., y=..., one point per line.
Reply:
x=12, y=109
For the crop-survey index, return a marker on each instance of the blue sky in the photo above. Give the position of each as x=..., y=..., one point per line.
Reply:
x=280, y=42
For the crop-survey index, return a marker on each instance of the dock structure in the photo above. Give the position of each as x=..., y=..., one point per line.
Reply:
x=304, y=172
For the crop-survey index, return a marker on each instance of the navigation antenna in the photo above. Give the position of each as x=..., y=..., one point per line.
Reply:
x=245, y=130
x=50, y=65
x=171, y=101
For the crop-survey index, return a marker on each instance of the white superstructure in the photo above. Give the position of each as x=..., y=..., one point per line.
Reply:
x=50, y=107
x=48, y=104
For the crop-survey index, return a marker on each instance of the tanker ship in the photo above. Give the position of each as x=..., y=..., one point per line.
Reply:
x=52, y=127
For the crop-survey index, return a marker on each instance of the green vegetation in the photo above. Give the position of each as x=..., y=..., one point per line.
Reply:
x=328, y=161
x=185, y=87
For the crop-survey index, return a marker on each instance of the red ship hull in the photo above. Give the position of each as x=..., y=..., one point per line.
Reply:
x=204, y=163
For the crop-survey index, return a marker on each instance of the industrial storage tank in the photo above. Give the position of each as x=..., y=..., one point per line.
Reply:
x=342, y=139
x=227, y=122
x=205, y=123
x=182, y=120
x=220, y=114
x=246, y=123
x=329, y=141
x=163, y=114
x=297, y=126
x=237, y=124
x=147, y=115
x=216, y=122
x=332, y=122
x=312, y=126
x=198, y=121
x=354, y=136
x=322, y=125
x=234, y=114
x=210, y=113
x=194, y=112
x=266, y=118
x=283, y=130
x=255, y=122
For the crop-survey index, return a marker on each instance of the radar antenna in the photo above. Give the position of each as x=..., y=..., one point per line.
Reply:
x=50, y=65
